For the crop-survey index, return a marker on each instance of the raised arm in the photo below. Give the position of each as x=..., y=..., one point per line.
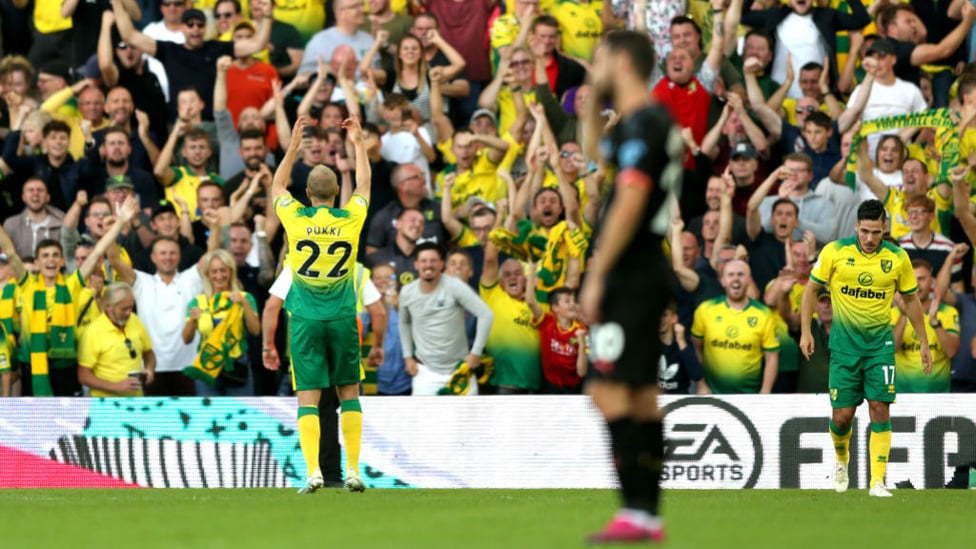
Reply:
x=865, y=170
x=163, y=169
x=767, y=116
x=128, y=210
x=530, y=299
x=282, y=175
x=932, y=53
x=709, y=144
x=369, y=57
x=128, y=31
x=17, y=268
x=364, y=177
x=105, y=51
x=852, y=113
x=753, y=218
x=457, y=63
x=688, y=278
x=442, y=124
x=450, y=221
x=259, y=41
x=834, y=107
x=220, y=84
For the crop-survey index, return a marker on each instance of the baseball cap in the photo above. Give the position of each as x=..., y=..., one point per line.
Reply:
x=882, y=46
x=823, y=293
x=56, y=67
x=163, y=207
x=120, y=181
x=476, y=202
x=90, y=68
x=244, y=23
x=743, y=149
x=193, y=13
x=483, y=112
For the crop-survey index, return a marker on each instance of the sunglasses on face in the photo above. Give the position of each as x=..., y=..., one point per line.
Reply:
x=225, y=15
x=196, y=24
x=808, y=109
x=171, y=4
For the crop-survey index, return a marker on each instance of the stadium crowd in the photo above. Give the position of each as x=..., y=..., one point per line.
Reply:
x=140, y=139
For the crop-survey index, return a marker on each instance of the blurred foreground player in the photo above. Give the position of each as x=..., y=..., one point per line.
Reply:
x=647, y=150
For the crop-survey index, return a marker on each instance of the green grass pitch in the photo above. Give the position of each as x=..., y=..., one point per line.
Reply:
x=474, y=518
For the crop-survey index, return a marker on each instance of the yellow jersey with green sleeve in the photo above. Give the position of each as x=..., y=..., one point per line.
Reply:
x=910, y=376
x=580, y=26
x=322, y=246
x=896, y=205
x=733, y=343
x=861, y=289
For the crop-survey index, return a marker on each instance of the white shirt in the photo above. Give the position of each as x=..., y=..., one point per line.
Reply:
x=162, y=308
x=282, y=285
x=798, y=36
x=403, y=148
x=158, y=31
x=889, y=100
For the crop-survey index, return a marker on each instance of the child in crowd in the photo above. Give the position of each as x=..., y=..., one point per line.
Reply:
x=562, y=339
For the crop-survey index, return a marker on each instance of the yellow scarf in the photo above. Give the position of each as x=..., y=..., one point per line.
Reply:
x=941, y=119
x=221, y=344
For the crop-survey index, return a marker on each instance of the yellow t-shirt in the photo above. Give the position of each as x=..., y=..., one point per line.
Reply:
x=112, y=353
x=898, y=212
x=861, y=289
x=513, y=341
x=47, y=17
x=481, y=180
x=733, y=343
x=307, y=16
x=184, y=185
x=322, y=247
x=580, y=26
x=910, y=376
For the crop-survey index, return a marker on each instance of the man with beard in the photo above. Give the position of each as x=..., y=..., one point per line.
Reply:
x=514, y=340
x=234, y=157
x=253, y=156
x=99, y=211
x=165, y=223
x=144, y=77
x=399, y=252
x=140, y=136
x=863, y=273
x=100, y=170
x=432, y=334
x=190, y=64
x=713, y=199
x=182, y=181
x=411, y=192
x=735, y=338
x=256, y=280
x=39, y=220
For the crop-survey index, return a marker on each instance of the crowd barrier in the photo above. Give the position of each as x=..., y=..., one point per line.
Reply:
x=752, y=441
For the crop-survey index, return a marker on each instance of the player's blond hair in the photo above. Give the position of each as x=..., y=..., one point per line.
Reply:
x=322, y=184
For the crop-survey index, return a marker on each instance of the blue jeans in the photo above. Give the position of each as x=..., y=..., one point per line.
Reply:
x=221, y=388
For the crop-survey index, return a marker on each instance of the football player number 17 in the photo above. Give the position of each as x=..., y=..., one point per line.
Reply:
x=889, y=374
x=339, y=248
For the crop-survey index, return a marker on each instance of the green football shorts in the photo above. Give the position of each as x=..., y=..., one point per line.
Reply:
x=324, y=353
x=854, y=378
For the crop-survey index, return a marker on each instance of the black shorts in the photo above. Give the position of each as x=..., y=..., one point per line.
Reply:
x=626, y=347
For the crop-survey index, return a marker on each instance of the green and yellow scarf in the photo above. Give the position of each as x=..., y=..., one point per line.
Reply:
x=947, y=138
x=9, y=317
x=52, y=332
x=221, y=344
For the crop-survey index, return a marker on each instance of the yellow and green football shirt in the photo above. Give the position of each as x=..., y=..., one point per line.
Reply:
x=513, y=341
x=185, y=184
x=733, y=343
x=895, y=204
x=861, y=289
x=909, y=374
x=580, y=26
x=322, y=246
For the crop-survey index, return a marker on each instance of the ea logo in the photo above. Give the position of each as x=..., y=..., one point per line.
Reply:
x=710, y=444
x=606, y=342
x=865, y=279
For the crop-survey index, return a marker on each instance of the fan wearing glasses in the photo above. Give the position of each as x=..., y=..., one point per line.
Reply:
x=115, y=356
x=191, y=65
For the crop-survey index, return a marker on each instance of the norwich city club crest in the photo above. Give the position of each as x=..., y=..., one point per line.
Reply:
x=752, y=321
x=886, y=265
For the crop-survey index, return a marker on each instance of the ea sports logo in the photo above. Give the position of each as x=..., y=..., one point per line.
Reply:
x=710, y=444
